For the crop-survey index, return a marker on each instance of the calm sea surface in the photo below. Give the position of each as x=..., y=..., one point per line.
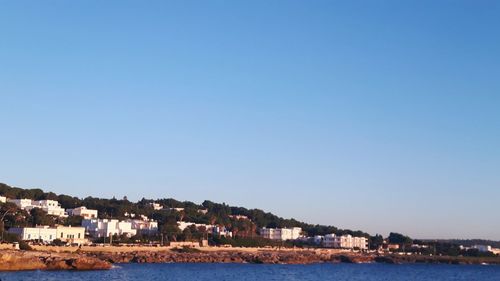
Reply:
x=235, y=272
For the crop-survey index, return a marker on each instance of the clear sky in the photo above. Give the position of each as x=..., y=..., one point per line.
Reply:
x=373, y=115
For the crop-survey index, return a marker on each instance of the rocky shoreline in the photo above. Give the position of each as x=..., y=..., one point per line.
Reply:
x=281, y=257
x=12, y=260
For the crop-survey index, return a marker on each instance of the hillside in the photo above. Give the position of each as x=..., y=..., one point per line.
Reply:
x=205, y=213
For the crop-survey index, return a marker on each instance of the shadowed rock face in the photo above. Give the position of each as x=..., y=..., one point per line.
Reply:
x=22, y=260
x=271, y=257
x=11, y=260
x=280, y=257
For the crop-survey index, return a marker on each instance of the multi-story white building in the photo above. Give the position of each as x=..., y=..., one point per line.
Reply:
x=331, y=241
x=145, y=227
x=107, y=227
x=48, y=234
x=52, y=207
x=43, y=233
x=83, y=212
x=3, y=199
x=345, y=242
x=25, y=204
x=281, y=233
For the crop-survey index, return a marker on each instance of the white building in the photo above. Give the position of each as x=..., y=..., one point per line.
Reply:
x=107, y=227
x=52, y=207
x=43, y=233
x=145, y=227
x=221, y=231
x=482, y=248
x=3, y=199
x=176, y=209
x=319, y=239
x=345, y=242
x=281, y=233
x=239, y=217
x=25, y=204
x=183, y=225
x=155, y=206
x=83, y=212
x=48, y=234
x=71, y=234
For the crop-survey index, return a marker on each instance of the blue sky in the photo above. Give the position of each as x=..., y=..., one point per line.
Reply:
x=373, y=115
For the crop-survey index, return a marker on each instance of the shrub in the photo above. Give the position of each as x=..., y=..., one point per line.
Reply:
x=24, y=246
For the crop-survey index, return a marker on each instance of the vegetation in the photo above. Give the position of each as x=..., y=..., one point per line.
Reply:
x=244, y=223
x=216, y=214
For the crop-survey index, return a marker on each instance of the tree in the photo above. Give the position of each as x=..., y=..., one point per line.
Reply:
x=376, y=241
x=40, y=217
x=397, y=238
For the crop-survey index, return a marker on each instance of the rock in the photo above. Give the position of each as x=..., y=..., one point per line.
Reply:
x=24, y=260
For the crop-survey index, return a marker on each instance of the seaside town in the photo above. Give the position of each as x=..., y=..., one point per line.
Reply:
x=87, y=227
x=92, y=227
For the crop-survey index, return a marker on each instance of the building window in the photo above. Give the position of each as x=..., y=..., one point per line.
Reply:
x=62, y=235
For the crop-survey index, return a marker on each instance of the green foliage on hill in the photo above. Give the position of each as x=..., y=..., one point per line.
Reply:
x=397, y=238
x=217, y=214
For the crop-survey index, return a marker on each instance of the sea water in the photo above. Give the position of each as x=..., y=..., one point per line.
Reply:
x=261, y=272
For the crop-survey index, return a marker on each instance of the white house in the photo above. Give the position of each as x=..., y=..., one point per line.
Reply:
x=52, y=207
x=106, y=227
x=183, y=225
x=176, y=209
x=25, y=204
x=145, y=227
x=221, y=231
x=319, y=239
x=239, y=217
x=155, y=206
x=281, y=233
x=3, y=199
x=44, y=233
x=48, y=234
x=482, y=248
x=71, y=234
x=345, y=242
x=83, y=212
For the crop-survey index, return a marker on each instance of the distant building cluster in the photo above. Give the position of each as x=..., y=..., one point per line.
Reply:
x=51, y=207
x=136, y=224
x=91, y=226
x=282, y=234
x=98, y=228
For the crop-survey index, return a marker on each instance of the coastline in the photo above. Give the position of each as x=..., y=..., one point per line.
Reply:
x=18, y=260
x=102, y=258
